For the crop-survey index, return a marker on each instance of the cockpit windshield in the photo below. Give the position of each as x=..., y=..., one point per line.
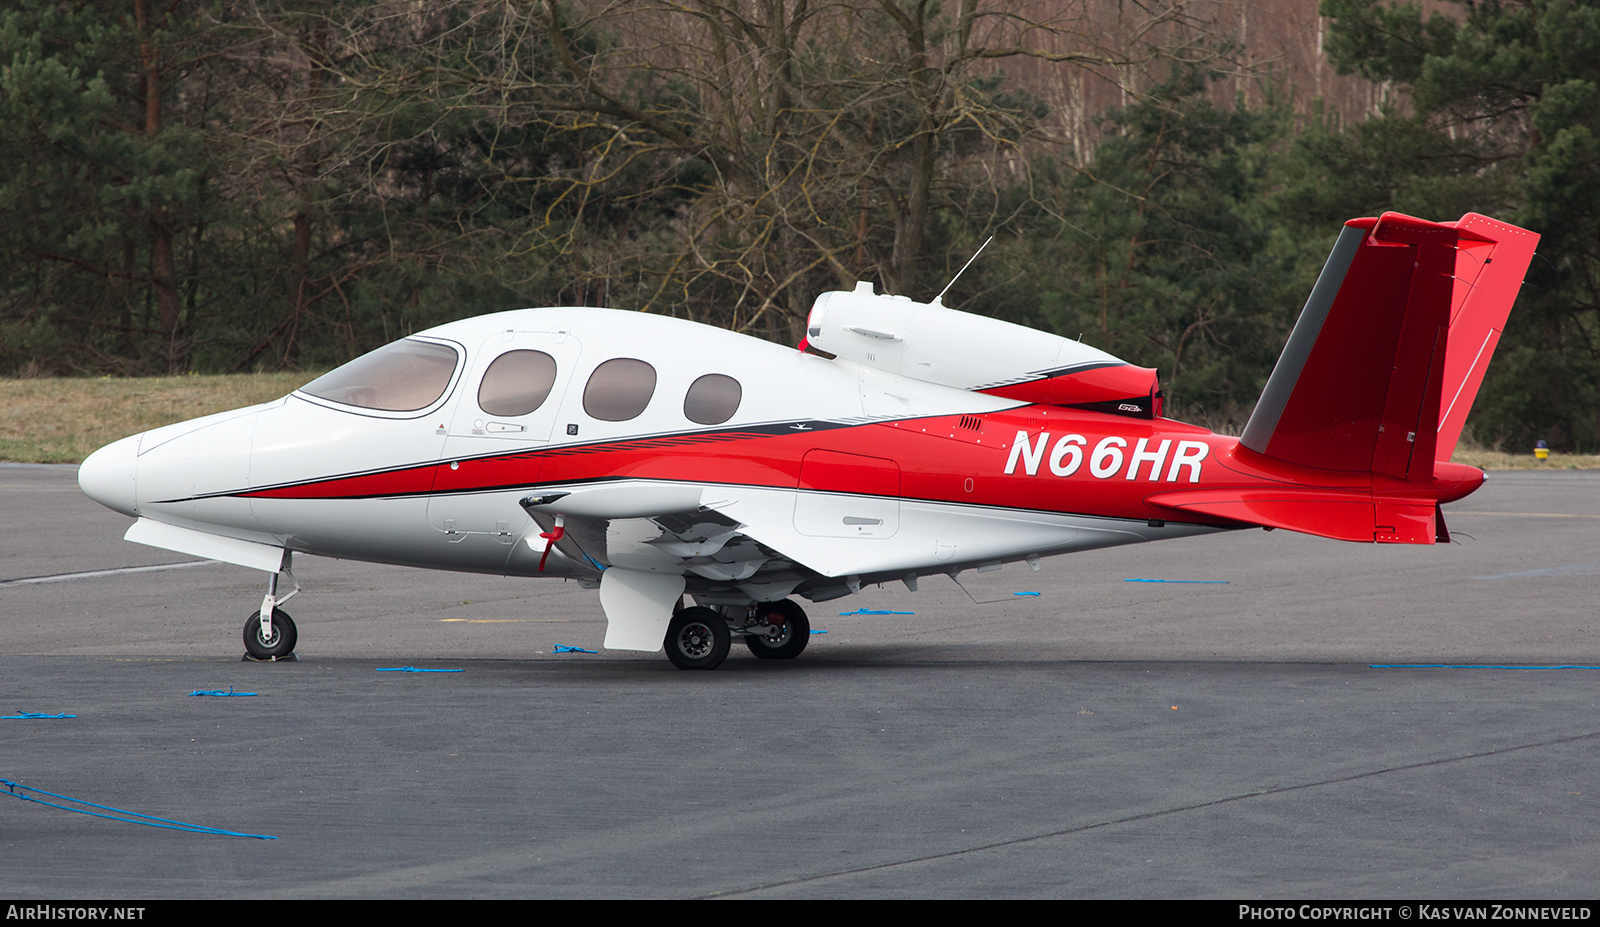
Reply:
x=401, y=377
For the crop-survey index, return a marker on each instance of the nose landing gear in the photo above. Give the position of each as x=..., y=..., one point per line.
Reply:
x=269, y=633
x=276, y=644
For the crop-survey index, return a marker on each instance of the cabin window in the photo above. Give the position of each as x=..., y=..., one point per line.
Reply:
x=402, y=377
x=517, y=383
x=712, y=399
x=619, y=389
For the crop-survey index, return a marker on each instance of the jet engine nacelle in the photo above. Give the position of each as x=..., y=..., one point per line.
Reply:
x=936, y=344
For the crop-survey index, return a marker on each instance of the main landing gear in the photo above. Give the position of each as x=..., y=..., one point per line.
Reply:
x=699, y=638
x=777, y=631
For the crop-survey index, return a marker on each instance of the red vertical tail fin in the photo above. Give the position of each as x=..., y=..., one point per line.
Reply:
x=1387, y=355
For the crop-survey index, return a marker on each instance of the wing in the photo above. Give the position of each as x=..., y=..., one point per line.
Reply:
x=647, y=543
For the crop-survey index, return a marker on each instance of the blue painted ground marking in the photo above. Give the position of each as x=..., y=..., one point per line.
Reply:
x=126, y=817
x=413, y=669
x=1477, y=666
x=1208, y=582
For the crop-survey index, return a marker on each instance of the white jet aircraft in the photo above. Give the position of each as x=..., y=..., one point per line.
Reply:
x=652, y=457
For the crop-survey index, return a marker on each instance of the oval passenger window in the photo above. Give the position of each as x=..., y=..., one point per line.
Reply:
x=712, y=399
x=517, y=383
x=619, y=389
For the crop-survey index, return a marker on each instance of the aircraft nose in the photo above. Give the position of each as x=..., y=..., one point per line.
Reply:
x=107, y=476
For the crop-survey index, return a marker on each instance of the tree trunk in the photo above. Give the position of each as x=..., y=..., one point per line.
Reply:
x=163, y=265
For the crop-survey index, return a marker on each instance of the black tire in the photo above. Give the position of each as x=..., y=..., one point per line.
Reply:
x=281, y=643
x=698, y=639
x=786, y=646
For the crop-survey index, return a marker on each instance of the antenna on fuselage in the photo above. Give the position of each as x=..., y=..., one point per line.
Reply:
x=939, y=300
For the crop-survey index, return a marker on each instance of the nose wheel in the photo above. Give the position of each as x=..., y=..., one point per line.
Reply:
x=269, y=631
x=279, y=645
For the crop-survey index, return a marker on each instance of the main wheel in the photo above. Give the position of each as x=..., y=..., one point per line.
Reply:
x=698, y=638
x=276, y=647
x=786, y=631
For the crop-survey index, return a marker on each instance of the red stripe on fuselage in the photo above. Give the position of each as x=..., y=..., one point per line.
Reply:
x=1070, y=461
x=940, y=459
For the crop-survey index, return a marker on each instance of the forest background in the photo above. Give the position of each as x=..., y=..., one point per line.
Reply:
x=258, y=185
